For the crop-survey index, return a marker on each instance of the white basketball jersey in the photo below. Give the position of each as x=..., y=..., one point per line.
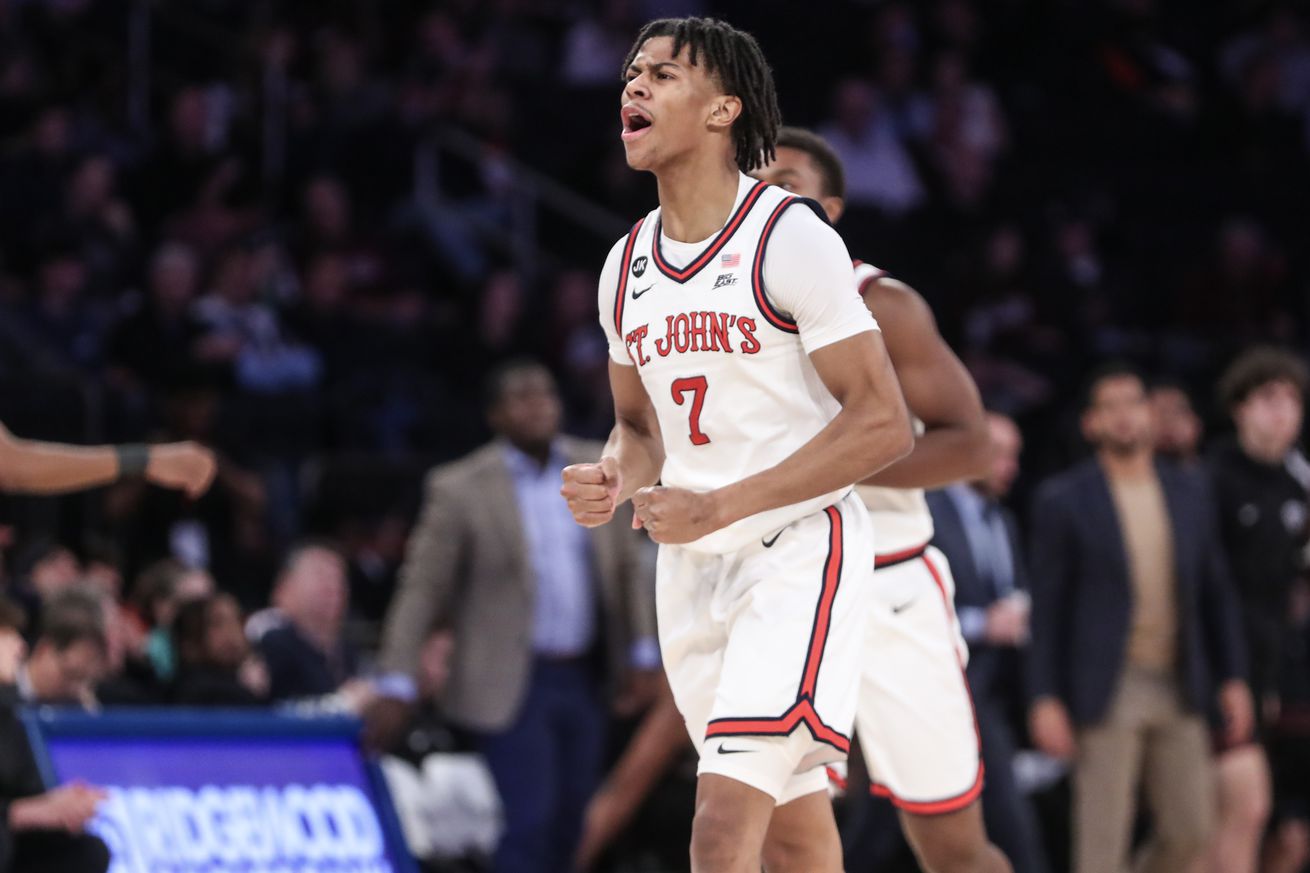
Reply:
x=725, y=365
x=900, y=515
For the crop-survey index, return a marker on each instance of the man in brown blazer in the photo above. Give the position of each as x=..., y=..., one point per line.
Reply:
x=551, y=621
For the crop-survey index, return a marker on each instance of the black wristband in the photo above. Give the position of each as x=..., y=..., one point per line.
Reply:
x=132, y=459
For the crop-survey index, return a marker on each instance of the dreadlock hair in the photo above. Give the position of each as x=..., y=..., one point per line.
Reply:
x=734, y=58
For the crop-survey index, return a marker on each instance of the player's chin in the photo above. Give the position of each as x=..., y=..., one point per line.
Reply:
x=639, y=155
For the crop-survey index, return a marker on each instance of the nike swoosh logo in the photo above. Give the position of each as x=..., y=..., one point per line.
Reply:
x=768, y=544
x=636, y=293
x=727, y=751
x=904, y=606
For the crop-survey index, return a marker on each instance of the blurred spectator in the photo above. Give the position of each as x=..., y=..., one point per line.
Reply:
x=961, y=124
x=99, y=224
x=43, y=829
x=1134, y=630
x=44, y=569
x=596, y=44
x=980, y=539
x=1242, y=294
x=70, y=653
x=301, y=641
x=1281, y=37
x=69, y=328
x=215, y=664
x=1175, y=424
x=239, y=330
x=158, y=593
x=879, y=169
x=1265, y=524
x=152, y=343
x=551, y=621
x=188, y=158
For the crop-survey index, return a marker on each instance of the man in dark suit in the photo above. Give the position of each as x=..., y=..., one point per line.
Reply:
x=1135, y=626
x=979, y=537
x=549, y=619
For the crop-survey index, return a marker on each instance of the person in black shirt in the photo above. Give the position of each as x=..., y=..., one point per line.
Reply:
x=1263, y=512
x=215, y=664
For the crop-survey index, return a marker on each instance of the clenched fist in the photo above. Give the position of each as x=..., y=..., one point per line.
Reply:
x=188, y=467
x=592, y=491
x=675, y=515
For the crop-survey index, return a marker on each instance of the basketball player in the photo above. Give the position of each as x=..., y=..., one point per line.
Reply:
x=749, y=379
x=915, y=719
x=32, y=467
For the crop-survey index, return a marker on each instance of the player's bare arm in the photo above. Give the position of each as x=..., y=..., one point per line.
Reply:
x=34, y=467
x=938, y=390
x=871, y=431
x=632, y=458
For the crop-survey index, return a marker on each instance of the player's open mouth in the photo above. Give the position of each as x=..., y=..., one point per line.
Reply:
x=635, y=122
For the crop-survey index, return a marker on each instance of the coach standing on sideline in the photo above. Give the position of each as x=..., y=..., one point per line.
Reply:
x=546, y=615
x=1134, y=624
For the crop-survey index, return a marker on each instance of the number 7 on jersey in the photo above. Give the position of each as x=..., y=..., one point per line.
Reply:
x=697, y=385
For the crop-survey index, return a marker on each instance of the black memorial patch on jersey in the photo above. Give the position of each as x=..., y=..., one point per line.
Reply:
x=639, y=265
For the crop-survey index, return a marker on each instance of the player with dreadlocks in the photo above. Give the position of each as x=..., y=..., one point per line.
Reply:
x=751, y=382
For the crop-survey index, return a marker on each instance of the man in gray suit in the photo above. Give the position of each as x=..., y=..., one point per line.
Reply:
x=551, y=620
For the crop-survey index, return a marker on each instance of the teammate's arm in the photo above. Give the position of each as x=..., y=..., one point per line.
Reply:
x=33, y=467
x=955, y=444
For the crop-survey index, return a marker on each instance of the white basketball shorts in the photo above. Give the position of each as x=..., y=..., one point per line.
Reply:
x=915, y=718
x=763, y=648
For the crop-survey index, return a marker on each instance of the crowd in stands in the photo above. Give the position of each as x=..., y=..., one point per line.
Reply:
x=306, y=234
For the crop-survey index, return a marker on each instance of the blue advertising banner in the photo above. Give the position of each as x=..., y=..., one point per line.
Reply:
x=223, y=792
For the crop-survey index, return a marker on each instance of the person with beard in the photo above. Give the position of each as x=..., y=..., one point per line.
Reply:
x=1135, y=632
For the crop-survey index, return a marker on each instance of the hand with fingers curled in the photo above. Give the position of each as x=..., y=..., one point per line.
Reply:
x=675, y=515
x=592, y=491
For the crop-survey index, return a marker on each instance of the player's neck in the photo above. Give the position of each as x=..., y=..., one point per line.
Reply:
x=697, y=197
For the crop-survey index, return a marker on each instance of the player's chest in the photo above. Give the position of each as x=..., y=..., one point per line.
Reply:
x=715, y=313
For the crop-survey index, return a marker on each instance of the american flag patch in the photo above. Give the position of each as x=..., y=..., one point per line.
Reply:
x=732, y=260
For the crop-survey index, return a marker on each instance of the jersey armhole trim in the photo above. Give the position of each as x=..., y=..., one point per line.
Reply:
x=767, y=309
x=623, y=276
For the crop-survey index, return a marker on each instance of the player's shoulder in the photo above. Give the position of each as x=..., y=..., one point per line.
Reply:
x=801, y=229
x=889, y=298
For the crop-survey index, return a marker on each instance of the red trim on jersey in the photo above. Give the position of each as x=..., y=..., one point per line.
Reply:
x=891, y=559
x=969, y=795
x=713, y=249
x=803, y=711
x=623, y=276
x=772, y=315
x=864, y=286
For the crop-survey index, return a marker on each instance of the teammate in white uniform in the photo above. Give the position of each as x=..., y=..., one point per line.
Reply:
x=915, y=721
x=750, y=380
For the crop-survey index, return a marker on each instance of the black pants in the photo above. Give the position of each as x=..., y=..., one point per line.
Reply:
x=46, y=851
